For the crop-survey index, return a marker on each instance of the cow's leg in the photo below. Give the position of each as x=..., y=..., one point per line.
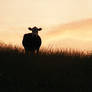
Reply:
x=26, y=51
x=32, y=52
x=37, y=51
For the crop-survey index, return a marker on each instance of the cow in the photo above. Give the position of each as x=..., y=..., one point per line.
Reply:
x=32, y=41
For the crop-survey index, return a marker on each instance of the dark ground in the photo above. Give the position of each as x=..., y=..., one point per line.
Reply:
x=45, y=73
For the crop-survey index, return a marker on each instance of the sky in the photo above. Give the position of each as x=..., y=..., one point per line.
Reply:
x=61, y=20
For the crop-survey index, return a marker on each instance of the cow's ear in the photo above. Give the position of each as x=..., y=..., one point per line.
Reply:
x=29, y=28
x=39, y=29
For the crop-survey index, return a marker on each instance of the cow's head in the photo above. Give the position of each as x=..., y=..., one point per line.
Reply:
x=35, y=30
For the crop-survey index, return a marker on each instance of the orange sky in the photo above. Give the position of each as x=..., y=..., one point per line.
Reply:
x=68, y=22
x=76, y=35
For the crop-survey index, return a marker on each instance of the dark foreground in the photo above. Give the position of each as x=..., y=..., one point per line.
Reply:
x=45, y=73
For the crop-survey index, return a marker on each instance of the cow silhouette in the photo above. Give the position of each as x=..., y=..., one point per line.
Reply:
x=32, y=41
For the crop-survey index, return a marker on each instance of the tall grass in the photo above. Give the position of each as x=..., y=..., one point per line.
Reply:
x=8, y=49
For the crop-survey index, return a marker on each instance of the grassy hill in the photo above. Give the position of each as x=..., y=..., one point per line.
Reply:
x=63, y=71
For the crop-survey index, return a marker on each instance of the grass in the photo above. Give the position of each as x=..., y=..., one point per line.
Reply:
x=60, y=71
x=9, y=50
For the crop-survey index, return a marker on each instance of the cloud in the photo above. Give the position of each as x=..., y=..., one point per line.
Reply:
x=76, y=34
x=84, y=26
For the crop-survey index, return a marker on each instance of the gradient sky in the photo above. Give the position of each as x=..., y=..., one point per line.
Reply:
x=54, y=16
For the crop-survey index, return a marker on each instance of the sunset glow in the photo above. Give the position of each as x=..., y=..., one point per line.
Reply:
x=65, y=23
